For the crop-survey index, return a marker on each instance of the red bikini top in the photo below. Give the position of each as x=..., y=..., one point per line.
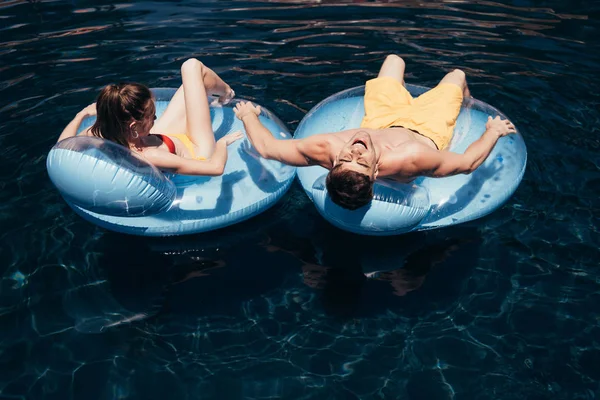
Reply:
x=169, y=142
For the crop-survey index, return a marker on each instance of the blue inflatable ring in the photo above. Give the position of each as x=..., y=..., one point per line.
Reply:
x=427, y=203
x=112, y=187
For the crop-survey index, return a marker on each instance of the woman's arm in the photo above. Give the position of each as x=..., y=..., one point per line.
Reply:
x=186, y=166
x=71, y=129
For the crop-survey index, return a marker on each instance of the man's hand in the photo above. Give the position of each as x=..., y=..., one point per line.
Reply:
x=245, y=108
x=502, y=127
x=231, y=137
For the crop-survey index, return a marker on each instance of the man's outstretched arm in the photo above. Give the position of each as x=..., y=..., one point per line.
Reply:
x=429, y=162
x=296, y=152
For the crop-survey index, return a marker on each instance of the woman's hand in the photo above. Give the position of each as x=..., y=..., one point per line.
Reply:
x=231, y=137
x=71, y=129
x=89, y=111
x=245, y=108
x=502, y=127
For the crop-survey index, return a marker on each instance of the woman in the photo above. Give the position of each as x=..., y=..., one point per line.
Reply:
x=181, y=140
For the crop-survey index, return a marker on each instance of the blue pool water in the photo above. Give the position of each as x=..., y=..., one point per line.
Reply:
x=284, y=305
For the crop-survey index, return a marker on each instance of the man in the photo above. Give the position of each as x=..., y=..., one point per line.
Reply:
x=400, y=138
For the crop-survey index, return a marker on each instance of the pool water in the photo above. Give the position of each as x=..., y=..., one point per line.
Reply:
x=284, y=305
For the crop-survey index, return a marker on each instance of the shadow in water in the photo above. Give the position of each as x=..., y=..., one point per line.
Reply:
x=133, y=279
x=354, y=276
x=360, y=276
x=127, y=283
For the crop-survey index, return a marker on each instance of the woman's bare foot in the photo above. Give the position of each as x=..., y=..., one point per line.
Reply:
x=228, y=96
x=224, y=98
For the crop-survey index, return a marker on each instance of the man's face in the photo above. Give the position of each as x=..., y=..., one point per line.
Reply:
x=358, y=154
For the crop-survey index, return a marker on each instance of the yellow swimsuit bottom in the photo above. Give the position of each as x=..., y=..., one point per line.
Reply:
x=188, y=144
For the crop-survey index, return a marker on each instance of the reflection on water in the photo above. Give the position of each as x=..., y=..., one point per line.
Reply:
x=284, y=305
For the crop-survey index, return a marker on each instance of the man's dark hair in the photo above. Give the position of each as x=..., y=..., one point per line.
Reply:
x=349, y=189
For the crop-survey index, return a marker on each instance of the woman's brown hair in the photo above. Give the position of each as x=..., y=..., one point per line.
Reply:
x=116, y=106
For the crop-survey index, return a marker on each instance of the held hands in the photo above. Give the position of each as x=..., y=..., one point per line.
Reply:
x=231, y=137
x=89, y=111
x=502, y=127
x=245, y=108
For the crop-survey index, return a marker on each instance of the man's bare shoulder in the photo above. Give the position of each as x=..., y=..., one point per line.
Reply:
x=403, y=161
x=407, y=151
x=318, y=148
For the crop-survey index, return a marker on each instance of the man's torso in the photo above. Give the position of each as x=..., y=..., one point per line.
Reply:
x=390, y=141
x=389, y=138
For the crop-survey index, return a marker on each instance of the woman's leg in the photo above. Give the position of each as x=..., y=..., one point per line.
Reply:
x=197, y=79
x=188, y=111
x=173, y=120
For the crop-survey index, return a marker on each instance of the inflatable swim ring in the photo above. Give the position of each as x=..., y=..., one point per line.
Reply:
x=426, y=203
x=108, y=185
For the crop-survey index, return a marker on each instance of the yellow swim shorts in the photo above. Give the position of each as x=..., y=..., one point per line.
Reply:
x=433, y=114
x=188, y=144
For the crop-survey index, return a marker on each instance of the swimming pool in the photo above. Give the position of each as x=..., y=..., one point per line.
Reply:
x=284, y=305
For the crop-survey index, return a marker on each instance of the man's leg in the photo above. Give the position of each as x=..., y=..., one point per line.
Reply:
x=385, y=101
x=438, y=108
x=458, y=77
x=393, y=66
